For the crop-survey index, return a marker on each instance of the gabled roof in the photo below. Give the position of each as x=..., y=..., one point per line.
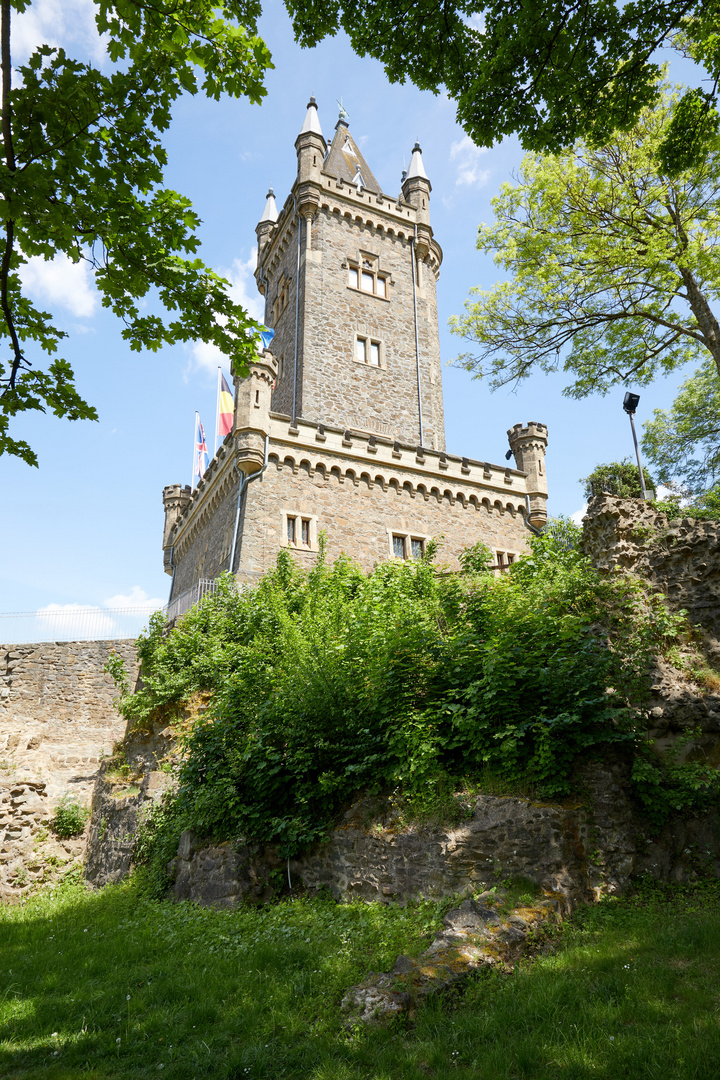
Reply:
x=344, y=160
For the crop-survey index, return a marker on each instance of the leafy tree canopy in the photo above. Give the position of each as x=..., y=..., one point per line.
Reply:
x=613, y=265
x=548, y=72
x=683, y=442
x=81, y=176
x=620, y=478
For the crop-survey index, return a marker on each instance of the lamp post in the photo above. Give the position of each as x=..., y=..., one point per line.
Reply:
x=630, y=405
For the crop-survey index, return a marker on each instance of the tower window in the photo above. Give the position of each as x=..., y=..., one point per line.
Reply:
x=398, y=543
x=281, y=301
x=369, y=351
x=366, y=277
x=300, y=530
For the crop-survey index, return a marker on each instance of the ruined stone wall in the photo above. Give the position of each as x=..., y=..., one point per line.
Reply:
x=57, y=719
x=679, y=557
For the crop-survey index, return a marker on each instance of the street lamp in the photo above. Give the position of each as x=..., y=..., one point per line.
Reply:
x=630, y=405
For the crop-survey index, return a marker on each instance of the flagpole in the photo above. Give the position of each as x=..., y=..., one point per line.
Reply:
x=217, y=409
x=195, y=432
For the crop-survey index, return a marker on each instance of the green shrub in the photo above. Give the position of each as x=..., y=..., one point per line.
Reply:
x=619, y=478
x=70, y=818
x=330, y=682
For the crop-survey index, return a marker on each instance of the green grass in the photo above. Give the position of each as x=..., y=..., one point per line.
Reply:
x=111, y=985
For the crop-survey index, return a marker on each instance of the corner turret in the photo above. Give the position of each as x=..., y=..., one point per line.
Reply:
x=266, y=224
x=528, y=445
x=175, y=501
x=416, y=187
x=252, y=411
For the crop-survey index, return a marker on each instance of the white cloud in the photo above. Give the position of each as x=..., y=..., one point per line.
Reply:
x=578, y=516
x=70, y=23
x=243, y=290
x=467, y=155
x=136, y=598
x=61, y=281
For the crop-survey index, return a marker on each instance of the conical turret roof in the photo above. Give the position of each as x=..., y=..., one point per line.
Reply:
x=416, y=164
x=312, y=123
x=345, y=162
x=270, y=212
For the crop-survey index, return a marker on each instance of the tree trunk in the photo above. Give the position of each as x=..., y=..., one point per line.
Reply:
x=708, y=324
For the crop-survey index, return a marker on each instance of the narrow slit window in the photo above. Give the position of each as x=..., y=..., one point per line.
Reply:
x=305, y=531
x=291, y=530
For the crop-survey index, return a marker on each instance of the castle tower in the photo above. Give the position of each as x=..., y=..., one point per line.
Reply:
x=339, y=431
x=349, y=276
x=528, y=445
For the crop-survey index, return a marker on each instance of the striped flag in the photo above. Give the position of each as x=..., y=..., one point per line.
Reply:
x=225, y=408
x=200, y=453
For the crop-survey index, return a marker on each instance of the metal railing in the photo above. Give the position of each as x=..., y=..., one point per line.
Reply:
x=204, y=587
x=71, y=622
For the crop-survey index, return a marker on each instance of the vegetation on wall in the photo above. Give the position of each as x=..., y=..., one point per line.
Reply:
x=411, y=679
x=620, y=478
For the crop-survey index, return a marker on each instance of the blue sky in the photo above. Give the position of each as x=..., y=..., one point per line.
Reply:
x=86, y=527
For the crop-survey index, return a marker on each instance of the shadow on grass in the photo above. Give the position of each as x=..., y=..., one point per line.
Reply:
x=111, y=985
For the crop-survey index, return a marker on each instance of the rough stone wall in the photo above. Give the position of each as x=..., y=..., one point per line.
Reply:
x=57, y=719
x=356, y=515
x=578, y=850
x=680, y=557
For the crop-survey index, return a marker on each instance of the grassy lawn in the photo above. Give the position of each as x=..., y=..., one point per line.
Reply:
x=111, y=985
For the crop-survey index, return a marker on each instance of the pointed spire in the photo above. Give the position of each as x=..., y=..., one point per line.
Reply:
x=270, y=212
x=416, y=164
x=311, y=119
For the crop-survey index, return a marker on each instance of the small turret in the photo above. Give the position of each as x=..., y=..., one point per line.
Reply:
x=266, y=224
x=252, y=411
x=175, y=500
x=311, y=146
x=528, y=445
x=416, y=187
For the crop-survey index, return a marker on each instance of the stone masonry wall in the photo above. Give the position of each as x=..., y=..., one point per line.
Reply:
x=679, y=557
x=356, y=515
x=57, y=719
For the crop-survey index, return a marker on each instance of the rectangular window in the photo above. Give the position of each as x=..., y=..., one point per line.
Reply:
x=368, y=282
x=291, y=530
x=305, y=531
x=510, y=558
x=382, y=287
x=360, y=344
x=354, y=277
x=398, y=547
x=417, y=547
x=368, y=351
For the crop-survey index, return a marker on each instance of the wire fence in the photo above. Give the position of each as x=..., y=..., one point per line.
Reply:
x=71, y=622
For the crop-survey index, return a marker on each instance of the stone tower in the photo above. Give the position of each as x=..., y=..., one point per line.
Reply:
x=348, y=275
x=338, y=429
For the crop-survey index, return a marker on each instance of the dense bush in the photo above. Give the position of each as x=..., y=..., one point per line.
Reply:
x=619, y=478
x=333, y=681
